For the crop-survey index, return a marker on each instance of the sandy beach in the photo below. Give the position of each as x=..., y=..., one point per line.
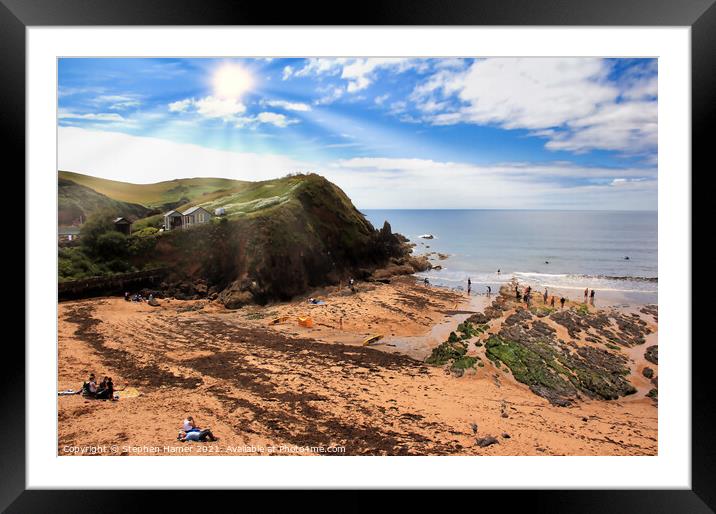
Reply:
x=287, y=389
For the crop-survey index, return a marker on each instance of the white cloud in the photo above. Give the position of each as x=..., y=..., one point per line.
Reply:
x=102, y=116
x=572, y=95
x=371, y=182
x=224, y=108
x=181, y=105
x=210, y=107
x=269, y=118
x=377, y=182
x=359, y=73
x=146, y=160
x=289, y=106
x=332, y=94
x=118, y=102
x=380, y=100
x=630, y=126
x=643, y=88
x=287, y=72
x=320, y=66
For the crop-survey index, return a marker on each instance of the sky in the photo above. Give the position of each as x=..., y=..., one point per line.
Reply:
x=514, y=133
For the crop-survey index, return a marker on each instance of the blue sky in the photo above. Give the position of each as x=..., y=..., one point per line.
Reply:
x=393, y=133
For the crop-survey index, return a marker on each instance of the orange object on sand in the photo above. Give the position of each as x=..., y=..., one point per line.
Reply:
x=305, y=322
x=278, y=320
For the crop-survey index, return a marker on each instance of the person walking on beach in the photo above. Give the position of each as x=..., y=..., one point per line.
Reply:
x=591, y=297
x=469, y=285
x=561, y=302
x=551, y=303
x=489, y=290
x=544, y=296
x=586, y=292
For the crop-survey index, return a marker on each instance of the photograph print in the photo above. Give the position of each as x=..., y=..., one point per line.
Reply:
x=357, y=256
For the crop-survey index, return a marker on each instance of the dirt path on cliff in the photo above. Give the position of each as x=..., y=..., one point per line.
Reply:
x=260, y=387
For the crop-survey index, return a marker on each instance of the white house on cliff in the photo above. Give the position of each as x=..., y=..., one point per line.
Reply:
x=194, y=216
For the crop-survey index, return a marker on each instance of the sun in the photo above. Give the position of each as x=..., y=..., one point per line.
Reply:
x=231, y=81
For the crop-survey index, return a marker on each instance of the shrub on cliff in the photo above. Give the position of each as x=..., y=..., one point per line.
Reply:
x=111, y=246
x=93, y=228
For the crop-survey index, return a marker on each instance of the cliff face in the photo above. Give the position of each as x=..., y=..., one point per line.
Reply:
x=313, y=237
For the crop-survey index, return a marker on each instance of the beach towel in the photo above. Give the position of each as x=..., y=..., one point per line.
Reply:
x=372, y=339
x=66, y=392
x=128, y=392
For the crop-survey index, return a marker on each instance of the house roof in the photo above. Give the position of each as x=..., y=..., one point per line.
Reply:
x=193, y=210
x=120, y=220
x=172, y=212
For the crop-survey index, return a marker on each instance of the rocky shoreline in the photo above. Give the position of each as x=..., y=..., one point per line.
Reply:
x=563, y=355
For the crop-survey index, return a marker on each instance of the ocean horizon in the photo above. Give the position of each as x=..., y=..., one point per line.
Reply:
x=566, y=251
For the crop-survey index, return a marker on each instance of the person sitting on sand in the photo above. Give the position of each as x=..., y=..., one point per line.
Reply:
x=126, y=296
x=106, y=390
x=89, y=388
x=188, y=425
x=201, y=436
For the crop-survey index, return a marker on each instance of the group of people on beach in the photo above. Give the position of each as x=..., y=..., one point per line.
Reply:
x=137, y=297
x=102, y=391
x=527, y=297
x=590, y=295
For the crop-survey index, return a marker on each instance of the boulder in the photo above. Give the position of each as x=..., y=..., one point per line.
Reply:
x=486, y=441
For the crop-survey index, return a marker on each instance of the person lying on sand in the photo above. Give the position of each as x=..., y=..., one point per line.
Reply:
x=201, y=436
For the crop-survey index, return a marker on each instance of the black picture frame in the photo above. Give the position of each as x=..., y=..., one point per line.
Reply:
x=700, y=15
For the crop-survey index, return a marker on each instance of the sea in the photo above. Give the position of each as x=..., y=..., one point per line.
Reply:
x=612, y=252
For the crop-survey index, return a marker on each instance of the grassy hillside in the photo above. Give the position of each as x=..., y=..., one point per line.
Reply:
x=279, y=239
x=161, y=194
x=75, y=200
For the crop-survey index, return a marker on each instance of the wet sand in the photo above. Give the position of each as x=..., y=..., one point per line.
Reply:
x=285, y=386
